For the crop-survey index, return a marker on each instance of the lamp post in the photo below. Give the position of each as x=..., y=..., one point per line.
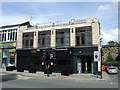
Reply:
x=101, y=57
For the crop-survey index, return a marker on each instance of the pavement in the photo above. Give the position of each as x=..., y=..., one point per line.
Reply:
x=57, y=76
x=14, y=79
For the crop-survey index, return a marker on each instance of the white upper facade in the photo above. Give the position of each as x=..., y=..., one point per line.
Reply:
x=75, y=31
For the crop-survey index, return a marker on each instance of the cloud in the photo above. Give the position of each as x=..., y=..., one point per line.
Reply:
x=104, y=7
x=110, y=35
x=39, y=18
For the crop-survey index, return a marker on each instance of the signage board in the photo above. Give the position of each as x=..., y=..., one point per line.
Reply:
x=96, y=56
x=8, y=45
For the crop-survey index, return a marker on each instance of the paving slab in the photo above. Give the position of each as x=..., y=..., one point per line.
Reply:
x=57, y=76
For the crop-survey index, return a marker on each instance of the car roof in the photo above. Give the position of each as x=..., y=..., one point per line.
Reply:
x=112, y=67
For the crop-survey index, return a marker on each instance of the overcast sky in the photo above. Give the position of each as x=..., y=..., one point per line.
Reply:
x=42, y=12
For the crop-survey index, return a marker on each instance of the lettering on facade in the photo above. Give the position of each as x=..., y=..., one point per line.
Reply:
x=33, y=51
x=13, y=44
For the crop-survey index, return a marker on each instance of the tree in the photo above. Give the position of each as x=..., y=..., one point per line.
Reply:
x=111, y=42
x=109, y=58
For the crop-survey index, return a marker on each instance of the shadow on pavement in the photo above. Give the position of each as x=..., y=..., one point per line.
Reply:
x=9, y=77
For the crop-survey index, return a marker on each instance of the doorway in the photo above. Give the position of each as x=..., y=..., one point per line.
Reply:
x=7, y=57
x=79, y=64
x=86, y=62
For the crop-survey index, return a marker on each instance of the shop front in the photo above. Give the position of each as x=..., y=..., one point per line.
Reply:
x=7, y=54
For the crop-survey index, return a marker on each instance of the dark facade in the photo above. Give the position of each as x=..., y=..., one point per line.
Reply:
x=66, y=60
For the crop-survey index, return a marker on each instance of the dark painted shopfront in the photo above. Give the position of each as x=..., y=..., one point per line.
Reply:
x=67, y=60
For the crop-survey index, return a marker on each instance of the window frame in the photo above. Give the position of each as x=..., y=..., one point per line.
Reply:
x=30, y=36
x=46, y=36
x=86, y=31
x=63, y=34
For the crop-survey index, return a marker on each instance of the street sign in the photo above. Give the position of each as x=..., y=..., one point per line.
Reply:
x=96, y=56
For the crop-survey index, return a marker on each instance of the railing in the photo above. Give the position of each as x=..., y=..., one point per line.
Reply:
x=60, y=23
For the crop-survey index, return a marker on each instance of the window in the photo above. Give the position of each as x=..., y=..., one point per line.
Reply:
x=16, y=35
x=2, y=36
x=108, y=51
x=11, y=35
x=83, y=36
x=26, y=43
x=31, y=42
x=67, y=39
x=44, y=38
x=117, y=50
x=63, y=37
x=4, y=33
x=88, y=37
x=28, y=40
x=43, y=42
x=78, y=40
x=8, y=35
x=48, y=40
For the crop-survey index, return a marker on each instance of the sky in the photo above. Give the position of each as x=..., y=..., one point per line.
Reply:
x=44, y=12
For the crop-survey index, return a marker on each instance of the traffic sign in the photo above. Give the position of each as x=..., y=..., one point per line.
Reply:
x=96, y=56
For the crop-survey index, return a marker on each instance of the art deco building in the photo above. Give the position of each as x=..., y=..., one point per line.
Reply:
x=84, y=36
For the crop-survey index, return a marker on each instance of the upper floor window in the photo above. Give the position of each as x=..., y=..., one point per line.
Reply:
x=28, y=40
x=83, y=37
x=117, y=50
x=88, y=37
x=63, y=37
x=12, y=35
x=8, y=35
x=0, y=36
x=4, y=35
x=108, y=51
x=44, y=39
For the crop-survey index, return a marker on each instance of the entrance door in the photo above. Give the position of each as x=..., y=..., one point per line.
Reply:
x=4, y=62
x=4, y=58
x=86, y=64
x=79, y=64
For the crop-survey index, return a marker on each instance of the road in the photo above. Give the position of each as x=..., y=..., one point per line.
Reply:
x=11, y=81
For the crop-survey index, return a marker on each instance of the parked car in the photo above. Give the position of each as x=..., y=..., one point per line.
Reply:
x=111, y=70
x=106, y=68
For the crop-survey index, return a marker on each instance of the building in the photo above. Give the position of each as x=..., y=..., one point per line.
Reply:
x=8, y=41
x=84, y=36
x=113, y=49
